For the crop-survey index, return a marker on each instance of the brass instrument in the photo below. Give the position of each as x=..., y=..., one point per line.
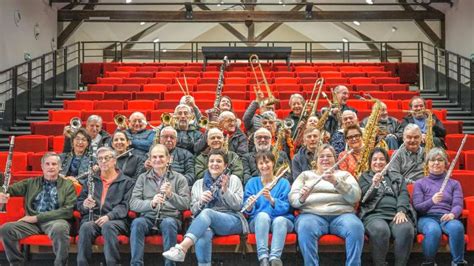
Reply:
x=167, y=119
x=121, y=121
x=278, y=175
x=75, y=123
x=429, y=144
x=310, y=102
x=286, y=124
x=453, y=164
x=7, y=174
x=369, y=138
x=332, y=168
x=254, y=60
x=382, y=132
x=206, y=124
x=383, y=172
x=336, y=104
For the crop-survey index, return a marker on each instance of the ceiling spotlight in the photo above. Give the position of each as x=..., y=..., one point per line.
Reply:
x=189, y=10
x=338, y=50
x=156, y=40
x=128, y=1
x=142, y=23
x=345, y=40
x=164, y=50
x=394, y=29
x=370, y=2
x=356, y=22
x=309, y=10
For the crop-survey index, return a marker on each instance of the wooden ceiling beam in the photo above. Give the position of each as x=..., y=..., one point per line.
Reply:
x=74, y=25
x=241, y=16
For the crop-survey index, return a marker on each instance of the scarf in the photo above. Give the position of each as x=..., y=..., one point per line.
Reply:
x=210, y=184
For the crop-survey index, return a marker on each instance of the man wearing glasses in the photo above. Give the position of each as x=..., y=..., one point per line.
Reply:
x=353, y=136
x=109, y=202
x=236, y=139
x=263, y=142
x=141, y=138
x=338, y=140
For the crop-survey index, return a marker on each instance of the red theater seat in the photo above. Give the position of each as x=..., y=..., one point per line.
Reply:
x=109, y=105
x=235, y=87
x=307, y=75
x=378, y=74
x=90, y=72
x=304, y=69
x=367, y=87
x=228, y=240
x=117, y=74
x=286, y=81
x=148, y=95
x=19, y=161
x=117, y=95
x=31, y=143
x=353, y=74
x=89, y=95
x=372, y=68
x=228, y=81
x=172, y=95
x=466, y=178
x=349, y=69
x=206, y=87
x=286, y=87
x=142, y=75
x=454, y=140
x=330, y=74
x=34, y=161
x=189, y=81
x=190, y=74
x=360, y=80
x=135, y=81
x=40, y=240
x=63, y=115
x=58, y=143
x=126, y=68
x=109, y=80
x=235, y=95
x=327, y=68
x=308, y=80
x=106, y=115
x=357, y=104
x=210, y=74
x=166, y=74
x=386, y=80
x=157, y=240
x=328, y=240
x=289, y=240
x=170, y=68
x=160, y=81
x=335, y=81
x=47, y=128
x=148, y=69
x=128, y=87
x=78, y=105
x=155, y=87
x=100, y=87
x=284, y=74
x=381, y=95
x=212, y=81
x=141, y=105
x=395, y=87
x=405, y=95
x=453, y=127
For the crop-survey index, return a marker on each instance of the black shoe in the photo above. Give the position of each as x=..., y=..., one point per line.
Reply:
x=428, y=264
x=264, y=262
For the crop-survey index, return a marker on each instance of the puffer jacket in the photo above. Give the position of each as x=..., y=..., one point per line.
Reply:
x=238, y=143
x=141, y=141
x=188, y=138
x=183, y=163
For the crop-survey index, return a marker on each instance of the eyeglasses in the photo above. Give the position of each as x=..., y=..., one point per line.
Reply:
x=80, y=139
x=167, y=137
x=105, y=158
x=439, y=160
x=354, y=137
x=262, y=137
x=326, y=157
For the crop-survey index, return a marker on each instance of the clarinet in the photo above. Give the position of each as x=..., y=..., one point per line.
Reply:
x=160, y=205
x=91, y=186
x=7, y=173
x=217, y=183
x=384, y=170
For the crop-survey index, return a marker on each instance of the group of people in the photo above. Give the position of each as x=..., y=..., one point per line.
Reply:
x=227, y=179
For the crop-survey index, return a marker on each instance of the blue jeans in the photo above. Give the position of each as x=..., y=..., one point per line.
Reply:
x=203, y=228
x=432, y=229
x=141, y=227
x=261, y=225
x=310, y=227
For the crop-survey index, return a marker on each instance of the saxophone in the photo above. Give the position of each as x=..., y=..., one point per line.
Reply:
x=369, y=138
x=429, y=144
x=7, y=174
x=91, y=186
x=281, y=136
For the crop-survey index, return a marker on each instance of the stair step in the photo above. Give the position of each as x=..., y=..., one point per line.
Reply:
x=39, y=113
x=459, y=112
x=53, y=105
x=66, y=97
x=37, y=118
x=21, y=128
x=14, y=132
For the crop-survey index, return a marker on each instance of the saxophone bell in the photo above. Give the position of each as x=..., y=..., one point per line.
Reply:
x=288, y=123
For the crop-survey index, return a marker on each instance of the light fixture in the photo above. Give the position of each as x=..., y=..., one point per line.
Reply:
x=156, y=40
x=164, y=50
x=309, y=10
x=189, y=10
x=128, y=1
x=356, y=22
x=338, y=50
x=345, y=40
x=370, y=2
x=142, y=23
x=394, y=29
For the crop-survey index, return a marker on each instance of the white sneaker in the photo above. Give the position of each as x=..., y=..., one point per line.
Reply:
x=175, y=253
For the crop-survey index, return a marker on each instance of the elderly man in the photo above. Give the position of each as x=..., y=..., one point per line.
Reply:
x=182, y=161
x=236, y=140
x=409, y=161
x=98, y=136
x=341, y=93
x=141, y=138
x=419, y=117
x=252, y=121
x=296, y=105
x=49, y=202
x=387, y=128
x=188, y=134
x=158, y=197
x=215, y=141
x=269, y=121
x=263, y=142
x=305, y=155
x=189, y=101
x=104, y=210
x=337, y=140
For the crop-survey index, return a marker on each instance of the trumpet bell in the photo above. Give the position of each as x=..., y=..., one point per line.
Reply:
x=75, y=123
x=288, y=123
x=121, y=121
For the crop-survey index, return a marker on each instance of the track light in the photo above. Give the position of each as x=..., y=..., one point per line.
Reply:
x=309, y=10
x=189, y=10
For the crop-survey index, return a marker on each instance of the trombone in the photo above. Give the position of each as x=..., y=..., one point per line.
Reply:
x=271, y=99
x=310, y=102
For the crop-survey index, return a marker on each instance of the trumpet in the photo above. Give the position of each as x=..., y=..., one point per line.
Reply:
x=279, y=174
x=75, y=123
x=121, y=121
x=167, y=119
x=271, y=99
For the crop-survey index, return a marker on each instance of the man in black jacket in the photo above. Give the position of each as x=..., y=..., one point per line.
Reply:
x=419, y=117
x=333, y=124
x=104, y=205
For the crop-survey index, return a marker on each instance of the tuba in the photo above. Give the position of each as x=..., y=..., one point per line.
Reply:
x=255, y=63
x=121, y=121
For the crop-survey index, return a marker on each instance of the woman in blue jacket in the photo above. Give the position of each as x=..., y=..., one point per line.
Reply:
x=270, y=212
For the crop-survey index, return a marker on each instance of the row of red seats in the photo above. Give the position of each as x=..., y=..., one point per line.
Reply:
x=243, y=87
x=203, y=101
x=235, y=95
x=243, y=74
x=248, y=80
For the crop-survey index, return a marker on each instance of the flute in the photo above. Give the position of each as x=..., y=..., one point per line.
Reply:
x=269, y=186
x=453, y=164
x=328, y=171
x=384, y=170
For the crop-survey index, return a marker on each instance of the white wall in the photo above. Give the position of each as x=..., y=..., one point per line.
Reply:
x=460, y=27
x=16, y=40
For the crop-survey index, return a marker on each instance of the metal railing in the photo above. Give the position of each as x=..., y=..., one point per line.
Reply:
x=29, y=85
